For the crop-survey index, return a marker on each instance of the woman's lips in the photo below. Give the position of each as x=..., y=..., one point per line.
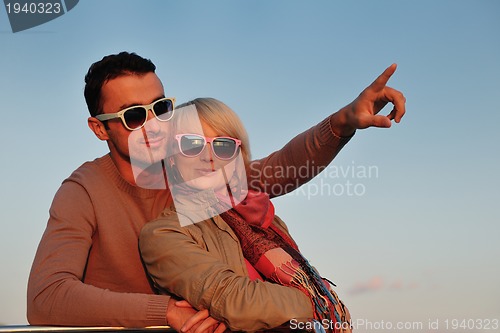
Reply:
x=205, y=171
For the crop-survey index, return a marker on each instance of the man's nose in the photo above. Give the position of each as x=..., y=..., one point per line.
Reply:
x=151, y=114
x=152, y=124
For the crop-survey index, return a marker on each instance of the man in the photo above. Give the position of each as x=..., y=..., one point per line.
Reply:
x=87, y=270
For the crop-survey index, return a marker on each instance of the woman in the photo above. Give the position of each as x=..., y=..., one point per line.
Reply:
x=221, y=247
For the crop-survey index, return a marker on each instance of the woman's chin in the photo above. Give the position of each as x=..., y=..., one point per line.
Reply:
x=206, y=183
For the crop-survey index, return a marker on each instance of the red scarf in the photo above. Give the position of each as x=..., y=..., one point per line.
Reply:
x=276, y=256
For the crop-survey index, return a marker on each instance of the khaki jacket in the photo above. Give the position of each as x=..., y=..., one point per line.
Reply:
x=203, y=264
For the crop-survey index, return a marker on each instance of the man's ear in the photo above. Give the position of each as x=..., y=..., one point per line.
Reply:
x=98, y=128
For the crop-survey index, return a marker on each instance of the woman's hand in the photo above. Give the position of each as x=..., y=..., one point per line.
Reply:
x=200, y=321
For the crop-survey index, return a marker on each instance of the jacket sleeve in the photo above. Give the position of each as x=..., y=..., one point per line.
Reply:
x=56, y=294
x=182, y=266
x=299, y=161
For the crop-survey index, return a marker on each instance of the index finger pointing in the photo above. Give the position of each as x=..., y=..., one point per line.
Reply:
x=381, y=81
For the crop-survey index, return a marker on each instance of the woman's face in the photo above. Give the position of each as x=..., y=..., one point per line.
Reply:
x=205, y=171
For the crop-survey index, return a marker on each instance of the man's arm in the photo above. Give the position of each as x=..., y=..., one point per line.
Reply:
x=310, y=152
x=56, y=293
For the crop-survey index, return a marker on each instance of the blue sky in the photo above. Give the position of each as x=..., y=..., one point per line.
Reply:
x=418, y=244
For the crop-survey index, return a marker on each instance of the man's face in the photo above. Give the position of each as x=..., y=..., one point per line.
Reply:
x=141, y=147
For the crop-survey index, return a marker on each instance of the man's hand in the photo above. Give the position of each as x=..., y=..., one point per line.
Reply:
x=363, y=111
x=182, y=317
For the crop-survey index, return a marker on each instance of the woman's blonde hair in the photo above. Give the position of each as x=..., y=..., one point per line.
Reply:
x=223, y=120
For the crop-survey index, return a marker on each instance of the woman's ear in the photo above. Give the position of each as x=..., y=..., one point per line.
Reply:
x=98, y=128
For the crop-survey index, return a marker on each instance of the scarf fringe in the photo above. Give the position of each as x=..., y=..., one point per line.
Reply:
x=306, y=279
x=258, y=242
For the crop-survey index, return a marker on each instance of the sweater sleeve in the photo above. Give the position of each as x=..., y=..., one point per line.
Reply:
x=56, y=294
x=297, y=162
x=181, y=265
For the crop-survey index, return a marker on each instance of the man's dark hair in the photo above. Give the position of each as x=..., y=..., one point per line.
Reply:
x=110, y=67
